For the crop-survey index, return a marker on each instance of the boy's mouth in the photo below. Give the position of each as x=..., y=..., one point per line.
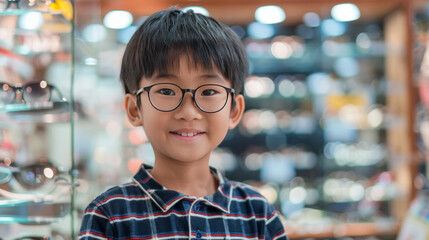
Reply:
x=187, y=132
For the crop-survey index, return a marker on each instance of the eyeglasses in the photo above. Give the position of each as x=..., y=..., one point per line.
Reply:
x=33, y=238
x=26, y=4
x=30, y=176
x=29, y=93
x=166, y=97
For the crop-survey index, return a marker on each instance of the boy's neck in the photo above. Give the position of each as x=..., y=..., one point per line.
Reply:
x=195, y=180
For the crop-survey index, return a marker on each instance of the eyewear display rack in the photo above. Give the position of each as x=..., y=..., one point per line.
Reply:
x=37, y=181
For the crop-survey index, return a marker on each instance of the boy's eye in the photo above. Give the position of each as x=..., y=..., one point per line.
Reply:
x=167, y=91
x=208, y=92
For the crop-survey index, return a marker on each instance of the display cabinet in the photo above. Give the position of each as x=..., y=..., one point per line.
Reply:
x=327, y=134
x=36, y=119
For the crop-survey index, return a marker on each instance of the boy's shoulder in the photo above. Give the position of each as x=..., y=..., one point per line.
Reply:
x=245, y=194
x=125, y=192
x=244, y=190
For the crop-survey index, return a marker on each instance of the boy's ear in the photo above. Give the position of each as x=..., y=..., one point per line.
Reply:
x=236, y=112
x=133, y=113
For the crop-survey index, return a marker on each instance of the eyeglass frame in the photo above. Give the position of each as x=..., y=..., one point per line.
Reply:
x=21, y=89
x=147, y=89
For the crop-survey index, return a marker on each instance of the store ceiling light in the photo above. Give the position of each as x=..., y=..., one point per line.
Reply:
x=345, y=12
x=118, y=19
x=197, y=9
x=270, y=14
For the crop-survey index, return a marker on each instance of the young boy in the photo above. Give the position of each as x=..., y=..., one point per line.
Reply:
x=183, y=75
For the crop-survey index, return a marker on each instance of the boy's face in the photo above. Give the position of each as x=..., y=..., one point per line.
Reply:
x=186, y=134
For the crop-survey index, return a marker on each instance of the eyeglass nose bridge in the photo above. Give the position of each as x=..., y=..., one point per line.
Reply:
x=188, y=90
x=192, y=91
x=19, y=95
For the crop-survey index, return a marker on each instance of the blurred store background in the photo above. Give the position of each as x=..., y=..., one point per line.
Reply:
x=335, y=133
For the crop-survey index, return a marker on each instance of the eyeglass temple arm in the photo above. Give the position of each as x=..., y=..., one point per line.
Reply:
x=138, y=92
x=58, y=92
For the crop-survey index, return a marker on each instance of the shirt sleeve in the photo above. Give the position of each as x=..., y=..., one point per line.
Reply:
x=274, y=227
x=96, y=224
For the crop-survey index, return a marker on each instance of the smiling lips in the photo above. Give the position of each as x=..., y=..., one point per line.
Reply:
x=187, y=133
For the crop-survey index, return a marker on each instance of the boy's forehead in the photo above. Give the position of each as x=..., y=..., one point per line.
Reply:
x=180, y=62
x=176, y=65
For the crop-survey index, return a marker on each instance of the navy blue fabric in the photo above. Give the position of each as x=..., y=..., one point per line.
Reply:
x=143, y=209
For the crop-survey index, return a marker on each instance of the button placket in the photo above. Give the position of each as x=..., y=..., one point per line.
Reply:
x=195, y=206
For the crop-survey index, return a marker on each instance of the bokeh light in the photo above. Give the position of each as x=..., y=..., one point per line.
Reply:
x=345, y=12
x=311, y=19
x=197, y=9
x=118, y=19
x=94, y=33
x=333, y=28
x=270, y=14
x=258, y=30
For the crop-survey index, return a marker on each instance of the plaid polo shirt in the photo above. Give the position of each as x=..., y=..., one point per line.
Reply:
x=143, y=209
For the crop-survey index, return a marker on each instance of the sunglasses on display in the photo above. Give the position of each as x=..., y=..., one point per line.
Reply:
x=25, y=4
x=29, y=93
x=11, y=3
x=29, y=177
x=63, y=7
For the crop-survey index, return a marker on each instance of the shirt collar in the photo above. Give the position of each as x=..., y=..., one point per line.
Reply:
x=165, y=199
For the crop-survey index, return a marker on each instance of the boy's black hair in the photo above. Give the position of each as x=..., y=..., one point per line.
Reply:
x=165, y=36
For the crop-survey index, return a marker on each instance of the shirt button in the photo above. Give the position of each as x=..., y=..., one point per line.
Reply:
x=197, y=207
x=198, y=235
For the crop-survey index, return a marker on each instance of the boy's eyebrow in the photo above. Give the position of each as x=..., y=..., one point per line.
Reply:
x=164, y=75
x=212, y=76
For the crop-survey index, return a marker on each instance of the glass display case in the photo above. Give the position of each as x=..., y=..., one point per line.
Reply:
x=36, y=120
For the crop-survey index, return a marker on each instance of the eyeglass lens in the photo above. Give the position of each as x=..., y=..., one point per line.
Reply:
x=7, y=93
x=5, y=174
x=167, y=97
x=36, y=92
x=33, y=176
x=30, y=176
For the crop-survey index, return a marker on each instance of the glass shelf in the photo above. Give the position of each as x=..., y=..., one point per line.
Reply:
x=43, y=112
x=33, y=212
x=34, y=108
x=17, y=11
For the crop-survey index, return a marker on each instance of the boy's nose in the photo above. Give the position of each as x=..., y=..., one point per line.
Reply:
x=188, y=109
